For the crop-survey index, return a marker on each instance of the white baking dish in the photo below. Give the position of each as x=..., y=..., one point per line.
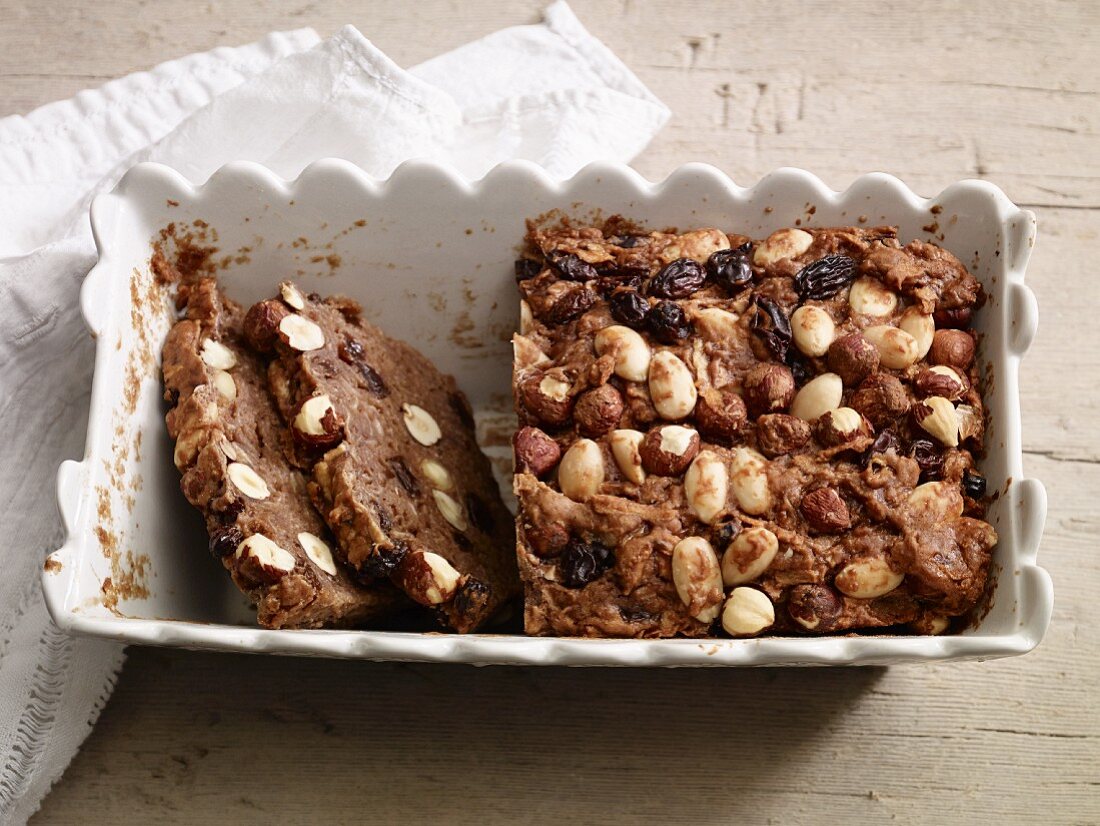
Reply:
x=430, y=256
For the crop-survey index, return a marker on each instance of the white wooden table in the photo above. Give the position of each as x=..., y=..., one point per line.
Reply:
x=932, y=92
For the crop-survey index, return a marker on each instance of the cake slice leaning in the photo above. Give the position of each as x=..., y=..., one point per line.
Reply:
x=395, y=467
x=230, y=447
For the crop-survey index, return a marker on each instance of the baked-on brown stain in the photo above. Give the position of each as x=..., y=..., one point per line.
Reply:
x=52, y=566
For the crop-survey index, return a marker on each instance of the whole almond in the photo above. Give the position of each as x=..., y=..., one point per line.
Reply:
x=825, y=511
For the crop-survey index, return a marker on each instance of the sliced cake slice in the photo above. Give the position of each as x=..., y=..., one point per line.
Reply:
x=389, y=444
x=231, y=449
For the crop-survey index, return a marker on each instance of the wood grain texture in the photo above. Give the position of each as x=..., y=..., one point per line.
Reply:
x=932, y=92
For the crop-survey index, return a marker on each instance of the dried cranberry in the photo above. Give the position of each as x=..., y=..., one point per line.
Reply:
x=527, y=268
x=225, y=541
x=572, y=304
x=730, y=269
x=825, y=277
x=629, y=308
x=480, y=514
x=570, y=267
x=929, y=457
x=771, y=325
x=582, y=562
x=885, y=442
x=680, y=279
x=667, y=323
x=404, y=476
x=973, y=484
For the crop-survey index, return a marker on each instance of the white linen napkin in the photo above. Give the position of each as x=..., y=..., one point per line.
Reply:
x=550, y=93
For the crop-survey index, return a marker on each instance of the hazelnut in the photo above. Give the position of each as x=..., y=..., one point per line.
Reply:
x=954, y=348
x=668, y=450
x=720, y=415
x=768, y=388
x=546, y=399
x=300, y=333
x=747, y=612
x=535, y=452
x=881, y=399
x=318, y=552
x=853, y=358
x=217, y=355
x=450, y=509
x=427, y=577
x=841, y=426
x=941, y=380
x=955, y=319
x=261, y=324
x=316, y=425
x=547, y=540
x=598, y=410
x=815, y=607
x=780, y=433
x=261, y=560
x=971, y=424
x=292, y=295
x=247, y=481
x=825, y=511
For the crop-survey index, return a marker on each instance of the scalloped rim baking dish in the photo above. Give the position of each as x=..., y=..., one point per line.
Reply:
x=428, y=251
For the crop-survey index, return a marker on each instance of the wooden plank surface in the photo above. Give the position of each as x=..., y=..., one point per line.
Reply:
x=932, y=92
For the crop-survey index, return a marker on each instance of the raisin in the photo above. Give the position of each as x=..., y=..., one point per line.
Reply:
x=631, y=613
x=730, y=268
x=572, y=304
x=771, y=326
x=800, y=368
x=929, y=457
x=351, y=352
x=385, y=521
x=472, y=596
x=629, y=308
x=316, y=298
x=231, y=511
x=404, y=476
x=726, y=532
x=582, y=562
x=480, y=514
x=172, y=397
x=680, y=279
x=629, y=242
x=225, y=541
x=527, y=268
x=885, y=442
x=973, y=484
x=667, y=323
x=383, y=561
x=825, y=277
x=570, y=267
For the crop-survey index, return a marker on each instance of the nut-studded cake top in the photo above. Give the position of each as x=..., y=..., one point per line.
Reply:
x=737, y=427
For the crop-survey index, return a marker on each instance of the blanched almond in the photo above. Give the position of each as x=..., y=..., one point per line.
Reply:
x=936, y=501
x=818, y=396
x=697, y=577
x=625, y=447
x=867, y=578
x=421, y=425
x=869, y=296
x=698, y=245
x=630, y=351
x=706, y=486
x=217, y=355
x=747, y=612
x=451, y=510
x=436, y=474
x=897, y=349
x=671, y=386
x=750, y=481
x=225, y=384
x=781, y=244
x=813, y=330
x=292, y=295
x=921, y=327
x=748, y=555
x=581, y=470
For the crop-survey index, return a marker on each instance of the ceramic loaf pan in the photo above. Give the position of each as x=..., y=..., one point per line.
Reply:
x=429, y=255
